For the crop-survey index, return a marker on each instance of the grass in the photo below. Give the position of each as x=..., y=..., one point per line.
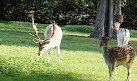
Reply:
x=81, y=56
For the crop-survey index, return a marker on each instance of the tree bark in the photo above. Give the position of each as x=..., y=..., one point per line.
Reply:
x=100, y=19
x=107, y=19
x=118, y=17
x=109, y=23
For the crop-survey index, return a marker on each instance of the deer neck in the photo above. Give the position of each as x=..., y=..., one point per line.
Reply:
x=104, y=50
x=105, y=54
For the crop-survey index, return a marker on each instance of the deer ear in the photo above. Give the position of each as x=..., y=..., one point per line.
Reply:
x=46, y=42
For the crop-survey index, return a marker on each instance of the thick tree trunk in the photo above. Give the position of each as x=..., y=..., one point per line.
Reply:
x=100, y=19
x=106, y=18
x=109, y=23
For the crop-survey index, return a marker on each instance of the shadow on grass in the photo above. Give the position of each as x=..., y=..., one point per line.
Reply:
x=4, y=22
x=17, y=38
x=80, y=43
x=69, y=42
x=133, y=44
x=46, y=77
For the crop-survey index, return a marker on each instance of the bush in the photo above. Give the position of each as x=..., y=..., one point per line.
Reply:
x=133, y=33
x=130, y=14
x=78, y=28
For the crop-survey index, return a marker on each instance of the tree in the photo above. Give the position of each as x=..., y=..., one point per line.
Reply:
x=130, y=14
x=46, y=11
x=108, y=18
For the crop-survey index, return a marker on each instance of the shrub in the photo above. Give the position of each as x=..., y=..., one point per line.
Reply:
x=78, y=28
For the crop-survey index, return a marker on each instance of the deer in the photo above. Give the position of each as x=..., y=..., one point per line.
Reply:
x=123, y=36
x=116, y=56
x=53, y=36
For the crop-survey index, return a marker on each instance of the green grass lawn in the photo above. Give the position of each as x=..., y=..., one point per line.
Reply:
x=81, y=57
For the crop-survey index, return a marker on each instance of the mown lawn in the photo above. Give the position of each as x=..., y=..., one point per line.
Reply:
x=81, y=58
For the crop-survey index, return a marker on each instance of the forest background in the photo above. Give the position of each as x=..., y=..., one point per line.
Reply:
x=64, y=12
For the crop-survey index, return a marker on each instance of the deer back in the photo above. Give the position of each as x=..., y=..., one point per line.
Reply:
x=53, y=33
x=121, y=53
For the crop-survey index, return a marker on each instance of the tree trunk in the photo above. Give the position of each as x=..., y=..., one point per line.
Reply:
x=109, y=19
x=100, y=19
x=118, y=18
x=106, y=18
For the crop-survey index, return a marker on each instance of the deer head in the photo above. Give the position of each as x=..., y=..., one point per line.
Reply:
x=103, y=41
x=37, y=40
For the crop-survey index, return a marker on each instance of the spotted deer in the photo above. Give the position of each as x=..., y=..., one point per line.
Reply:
x=123, y=36
x=116, y=56
x=53, y=36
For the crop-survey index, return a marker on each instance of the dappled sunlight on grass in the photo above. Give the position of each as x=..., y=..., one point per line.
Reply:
x=81, y=57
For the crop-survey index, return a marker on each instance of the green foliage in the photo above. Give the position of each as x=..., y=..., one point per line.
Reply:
x=46, y=11
x=81, y=56
x=78, y=28
x=133, y=33
x=74, y=12
x=130, y=14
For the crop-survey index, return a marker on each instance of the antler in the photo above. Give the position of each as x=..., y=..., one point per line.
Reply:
x=35, y=41
x=35, y=29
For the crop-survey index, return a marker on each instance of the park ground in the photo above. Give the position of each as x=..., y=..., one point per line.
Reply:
x=81, y=57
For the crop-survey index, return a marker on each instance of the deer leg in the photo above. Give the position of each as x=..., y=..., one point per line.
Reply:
x=48, y=54
x=58, y=53
x=129, y=73
x=111, y=69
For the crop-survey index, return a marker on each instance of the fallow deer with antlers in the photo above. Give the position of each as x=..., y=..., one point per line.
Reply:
x=53, y=35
